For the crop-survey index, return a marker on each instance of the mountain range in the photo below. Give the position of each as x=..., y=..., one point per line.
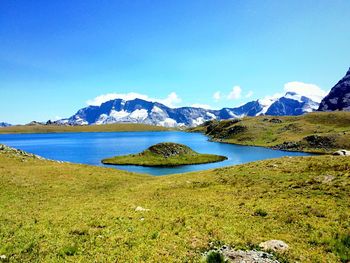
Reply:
x=155, y=113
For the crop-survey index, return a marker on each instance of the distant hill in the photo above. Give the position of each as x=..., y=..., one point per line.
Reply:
x=339, y=96
x=323, y=132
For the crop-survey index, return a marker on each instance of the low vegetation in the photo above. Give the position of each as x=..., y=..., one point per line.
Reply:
x=165, y=154
x=119, y=127
x=319, y=132
x=62, y=212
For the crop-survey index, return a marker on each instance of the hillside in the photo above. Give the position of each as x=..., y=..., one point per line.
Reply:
x=165, y=154
x=54, y=212
x=118, y=127
x=320, y=132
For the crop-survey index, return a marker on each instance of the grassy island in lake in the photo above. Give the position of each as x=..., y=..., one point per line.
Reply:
x=165, y=154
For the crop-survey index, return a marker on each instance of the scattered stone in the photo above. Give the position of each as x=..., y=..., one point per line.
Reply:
x=139, y=209
x=275, y=120
x=342, y=153
x=316, y=141
x=287, y=146
x=251, y=256
x=4, y=149
x=2, y=257
x=240, y=256
x=274, y=245
x=328, y=179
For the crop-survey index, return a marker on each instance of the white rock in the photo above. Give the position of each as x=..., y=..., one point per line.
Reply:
x=139, y=208
x=274, y=245
x=342, y=153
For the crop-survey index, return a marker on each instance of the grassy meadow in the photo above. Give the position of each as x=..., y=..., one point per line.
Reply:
x=320, y=132
x=61, y=212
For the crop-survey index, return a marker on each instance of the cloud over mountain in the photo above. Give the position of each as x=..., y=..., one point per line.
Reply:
x=172, y=100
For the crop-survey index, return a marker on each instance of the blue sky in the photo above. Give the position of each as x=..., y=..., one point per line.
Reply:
x=57, y=55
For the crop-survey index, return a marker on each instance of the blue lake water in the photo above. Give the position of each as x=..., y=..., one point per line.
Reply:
x=91, y=148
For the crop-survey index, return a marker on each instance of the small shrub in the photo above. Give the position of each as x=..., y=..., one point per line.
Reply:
x=68, y=251
x=260, y=212
x=154, y=235
x=214, y=256
x=340, y=246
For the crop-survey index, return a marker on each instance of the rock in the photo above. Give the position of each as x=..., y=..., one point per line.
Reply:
x=327, y=179
x=275, y=120
x=274, y=245
x=139, y=209
x=240, y=256
x=2, y=257
x=317, y=141
x=251, y=256
x=287, y=146
x=342, y=153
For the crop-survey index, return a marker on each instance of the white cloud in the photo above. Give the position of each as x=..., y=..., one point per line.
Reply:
x=203, y=106
x=217, y=96
x=235, y=93
x=268, y=100
x=249, y=94
x=171, y=100
x=311, y=91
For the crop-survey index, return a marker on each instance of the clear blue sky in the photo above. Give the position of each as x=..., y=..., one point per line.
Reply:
x=56, y=55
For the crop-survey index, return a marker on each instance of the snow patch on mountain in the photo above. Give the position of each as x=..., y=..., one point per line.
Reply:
x=155, y=113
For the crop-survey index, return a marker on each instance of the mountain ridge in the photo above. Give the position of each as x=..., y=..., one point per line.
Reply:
x=155, y=113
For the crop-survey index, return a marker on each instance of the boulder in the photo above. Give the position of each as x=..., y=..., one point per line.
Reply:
x=274, y=245
x=139, y=209
x=342, y=153
x=250, y=256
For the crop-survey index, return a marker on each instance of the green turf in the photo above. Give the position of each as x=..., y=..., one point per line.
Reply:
x=320, y=132
x=165, y=154
x=54, y=212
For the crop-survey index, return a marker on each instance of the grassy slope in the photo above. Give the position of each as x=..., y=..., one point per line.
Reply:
x=90, y=128
x=76, y=213
x=160, y=155
x=261, y=132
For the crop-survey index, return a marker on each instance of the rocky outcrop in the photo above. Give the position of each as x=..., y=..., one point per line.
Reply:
x=4, y=149
x=228, y=254
x=339, y=96
x=168, y=149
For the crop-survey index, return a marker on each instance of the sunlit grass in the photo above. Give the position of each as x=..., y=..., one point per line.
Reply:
x=51, y=212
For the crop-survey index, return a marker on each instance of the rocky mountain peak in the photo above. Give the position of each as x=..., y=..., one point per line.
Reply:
x=339, y=96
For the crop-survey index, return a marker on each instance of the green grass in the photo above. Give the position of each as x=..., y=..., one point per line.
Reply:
x=320, y=132
x=119, y=127
x=165, y=154
x=54, y=212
